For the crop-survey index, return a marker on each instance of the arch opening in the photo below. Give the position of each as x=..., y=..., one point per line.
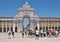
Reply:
x=26, y=23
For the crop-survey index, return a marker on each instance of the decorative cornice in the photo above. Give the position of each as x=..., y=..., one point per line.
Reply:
x=6, y=17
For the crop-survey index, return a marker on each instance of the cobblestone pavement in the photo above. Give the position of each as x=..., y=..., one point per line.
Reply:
x=18, y=38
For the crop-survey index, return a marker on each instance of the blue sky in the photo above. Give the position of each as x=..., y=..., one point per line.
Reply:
x=43, y=8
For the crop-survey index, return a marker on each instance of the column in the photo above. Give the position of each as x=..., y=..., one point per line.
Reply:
x=38, y=25
x=17, y=26
x=18, y=29
x=45, y=25
x=42, y=25
x=9, y=26
x=51, y=24
x=54, y=25
x=20, y=25
x=2, y=26
x=48, y=25
x=14, y=26
x=57, y=25
x=31, y=24
x=6, y=25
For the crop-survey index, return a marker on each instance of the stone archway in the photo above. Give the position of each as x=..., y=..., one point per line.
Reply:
x=31, y=23
x=25, y=12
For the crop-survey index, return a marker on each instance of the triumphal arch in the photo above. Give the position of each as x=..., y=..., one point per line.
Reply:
x=25, y=12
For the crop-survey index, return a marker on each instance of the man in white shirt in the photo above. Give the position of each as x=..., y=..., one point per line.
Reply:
x=41, y=31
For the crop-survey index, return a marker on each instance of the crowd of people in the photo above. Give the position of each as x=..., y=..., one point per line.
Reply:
x=10, y=34
x=36, y=33
x=41, y=33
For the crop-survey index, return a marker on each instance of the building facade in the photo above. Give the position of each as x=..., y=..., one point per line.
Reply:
x=16, y=23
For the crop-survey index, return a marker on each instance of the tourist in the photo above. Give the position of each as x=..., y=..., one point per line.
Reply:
x=22, y=34
x=37, y=34
x=9, y=34
x=30, y=33
x=34, y=33
x=53, y=32
x=13, y=34
x=44, y=33
x=47, y=33
x=41, y=31
x=56, y=33
x=26, y=33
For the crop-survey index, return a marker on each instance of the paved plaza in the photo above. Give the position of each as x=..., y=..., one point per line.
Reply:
x=18, y=38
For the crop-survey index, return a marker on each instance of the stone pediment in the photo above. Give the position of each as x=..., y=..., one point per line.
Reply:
x=26, y=7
